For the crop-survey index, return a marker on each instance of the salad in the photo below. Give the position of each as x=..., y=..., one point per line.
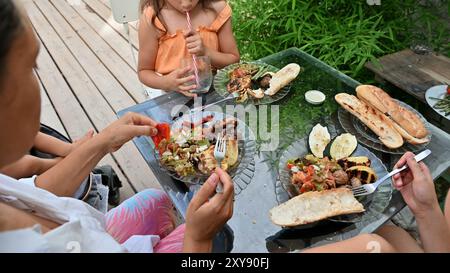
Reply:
x=189, y=150
x=311, y=173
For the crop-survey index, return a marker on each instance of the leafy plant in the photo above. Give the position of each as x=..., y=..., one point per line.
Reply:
x=344, y=34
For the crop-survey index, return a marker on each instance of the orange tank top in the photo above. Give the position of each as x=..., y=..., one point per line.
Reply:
x=172, y=47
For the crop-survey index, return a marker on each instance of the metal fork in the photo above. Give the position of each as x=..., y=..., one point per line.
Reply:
x=230, y=97
x=370, y=188
x=219, y=154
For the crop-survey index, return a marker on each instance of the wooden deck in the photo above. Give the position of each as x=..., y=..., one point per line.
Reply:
x=87, y=75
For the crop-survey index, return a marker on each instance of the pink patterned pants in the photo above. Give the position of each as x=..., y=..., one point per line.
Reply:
x=149, y=212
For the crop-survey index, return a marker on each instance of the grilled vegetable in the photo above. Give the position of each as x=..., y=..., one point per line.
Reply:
x=343, y=146
x=349, y=162
x=365, y=174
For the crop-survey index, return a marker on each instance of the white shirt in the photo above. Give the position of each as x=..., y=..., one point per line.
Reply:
x=82, y=227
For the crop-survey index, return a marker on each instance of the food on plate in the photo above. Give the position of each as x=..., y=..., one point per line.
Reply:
x=349, y=162
x=407, y=123
x=250, y=80
x=318, y=140
x=443, y=104
x=163, y=133
x=365, y=174
x=283, y=78
x=378, y=122
x=343, y=146
x=311, y=173
x=314, y=206
x=208, y=162
x=190, y=149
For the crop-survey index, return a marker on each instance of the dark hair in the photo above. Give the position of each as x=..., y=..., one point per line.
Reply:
x=10, y=26
x=157, y=5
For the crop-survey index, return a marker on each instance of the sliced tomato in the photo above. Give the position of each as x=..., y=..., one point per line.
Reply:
x=290, y=165
x=448, y=89
x=163, y=133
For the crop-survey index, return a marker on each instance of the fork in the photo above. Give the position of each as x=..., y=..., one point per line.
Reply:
x=370, y=188
x=219, y=154
x=201, y=108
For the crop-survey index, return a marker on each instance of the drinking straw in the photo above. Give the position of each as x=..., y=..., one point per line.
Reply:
x=194, y=59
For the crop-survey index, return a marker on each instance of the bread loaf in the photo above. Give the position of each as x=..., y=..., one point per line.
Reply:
x=314, y=206
x=283, y=78
x=404, y=118
x=379, y=123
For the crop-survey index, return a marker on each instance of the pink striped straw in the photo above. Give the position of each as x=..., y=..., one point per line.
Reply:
x=194, y=59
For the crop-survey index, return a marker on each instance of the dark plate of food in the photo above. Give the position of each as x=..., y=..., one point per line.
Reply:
x=255, y=82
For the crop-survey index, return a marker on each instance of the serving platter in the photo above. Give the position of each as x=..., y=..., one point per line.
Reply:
x=222, y=79
x=374, y=204
x=365, y=136
x=242, y=171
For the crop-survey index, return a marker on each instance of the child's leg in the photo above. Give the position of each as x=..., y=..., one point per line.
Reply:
x=364, y=243
x=149, y=212
x=173, y=243
x=399, y=239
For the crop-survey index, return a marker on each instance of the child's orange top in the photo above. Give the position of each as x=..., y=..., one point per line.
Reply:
x=172, y=47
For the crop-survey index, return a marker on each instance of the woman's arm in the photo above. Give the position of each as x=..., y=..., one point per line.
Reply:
x=434, y=231
x=417, y=188
x=66, y=177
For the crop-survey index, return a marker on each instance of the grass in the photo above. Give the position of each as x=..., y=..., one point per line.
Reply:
x=344, y=34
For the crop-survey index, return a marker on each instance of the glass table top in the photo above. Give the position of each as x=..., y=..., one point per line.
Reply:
x=250, y=224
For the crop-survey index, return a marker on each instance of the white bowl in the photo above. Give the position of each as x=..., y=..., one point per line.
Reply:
x=315, y=97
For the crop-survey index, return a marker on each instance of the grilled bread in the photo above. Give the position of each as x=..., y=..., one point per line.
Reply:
x=283, y=78
x=315, y=206
x=375, y=120
x=407, y=120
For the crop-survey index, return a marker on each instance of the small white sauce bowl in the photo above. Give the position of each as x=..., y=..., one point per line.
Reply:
x=315, y=97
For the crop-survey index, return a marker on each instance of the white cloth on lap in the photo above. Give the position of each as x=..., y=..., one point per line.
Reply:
x=82, y=227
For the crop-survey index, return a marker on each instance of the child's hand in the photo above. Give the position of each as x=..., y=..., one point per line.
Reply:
x=416, y=185
x=177, y=82
x=194, y=43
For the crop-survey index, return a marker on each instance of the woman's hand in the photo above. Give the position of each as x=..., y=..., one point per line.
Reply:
x=194, y=43
x=177, y=81
x=206, y=215
x=416, y=185
x=125, y=129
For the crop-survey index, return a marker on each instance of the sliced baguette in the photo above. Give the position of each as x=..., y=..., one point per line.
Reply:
x=379, y=123
x=315, y=206
x=409, y=138
x=404, y=118
x=283, y=78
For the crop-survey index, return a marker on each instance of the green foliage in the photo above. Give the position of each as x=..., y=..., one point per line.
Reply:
x=344, y=34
